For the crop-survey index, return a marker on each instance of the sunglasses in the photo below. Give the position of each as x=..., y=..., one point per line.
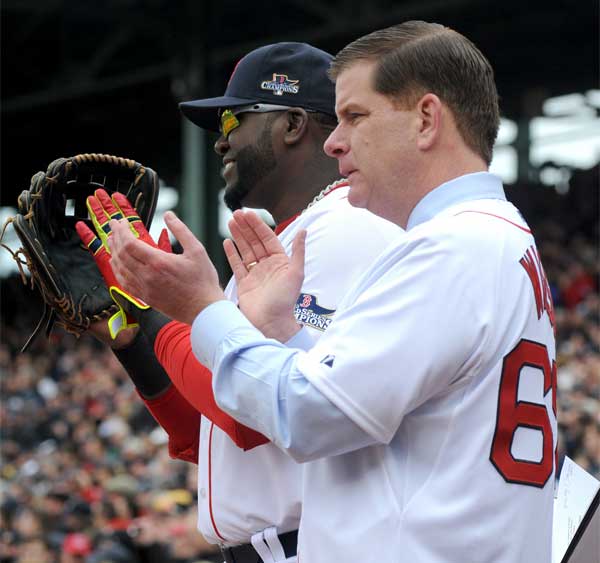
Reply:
x=228, y=120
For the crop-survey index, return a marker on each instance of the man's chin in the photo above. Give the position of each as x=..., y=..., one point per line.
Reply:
x=357, y=196
x=233, y=198
x=233, y=205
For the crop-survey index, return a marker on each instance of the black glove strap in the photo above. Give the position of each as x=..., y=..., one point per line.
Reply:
x=143, y=368
x=150, y=322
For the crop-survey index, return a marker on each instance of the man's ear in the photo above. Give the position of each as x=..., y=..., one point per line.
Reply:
x=429, y=110
x=296, y=125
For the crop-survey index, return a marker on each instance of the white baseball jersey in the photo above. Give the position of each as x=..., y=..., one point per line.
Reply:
x=431, y=397
x=243, y=492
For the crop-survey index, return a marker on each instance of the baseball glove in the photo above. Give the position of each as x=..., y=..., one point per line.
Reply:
x=61, y=268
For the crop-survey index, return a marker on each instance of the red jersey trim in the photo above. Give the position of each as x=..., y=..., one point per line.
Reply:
x=282, y=226
x=497, y=217
x=210, y=509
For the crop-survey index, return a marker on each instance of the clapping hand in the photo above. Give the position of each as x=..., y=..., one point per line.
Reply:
x=178, y=285
x=268, y=280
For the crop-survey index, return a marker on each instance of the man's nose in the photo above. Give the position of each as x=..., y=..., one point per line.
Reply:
x=335, y=145
x=221, y=145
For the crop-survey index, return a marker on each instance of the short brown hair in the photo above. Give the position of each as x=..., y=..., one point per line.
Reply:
x=417, y=57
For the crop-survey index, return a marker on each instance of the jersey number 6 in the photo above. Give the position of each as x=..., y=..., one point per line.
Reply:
x=514, y=413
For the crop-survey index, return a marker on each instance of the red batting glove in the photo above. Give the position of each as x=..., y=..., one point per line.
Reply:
x=102, y=209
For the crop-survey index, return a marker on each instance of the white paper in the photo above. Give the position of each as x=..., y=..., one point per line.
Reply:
x=576, y=490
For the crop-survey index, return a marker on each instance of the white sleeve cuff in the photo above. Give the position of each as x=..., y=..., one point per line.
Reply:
x=302, y=340
x=211, y=326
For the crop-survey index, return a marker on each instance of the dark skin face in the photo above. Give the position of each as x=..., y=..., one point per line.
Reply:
x=248, y=159
x=275, y=161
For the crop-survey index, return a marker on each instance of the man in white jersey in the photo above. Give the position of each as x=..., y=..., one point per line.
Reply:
x=426, y=412
x=276, y=113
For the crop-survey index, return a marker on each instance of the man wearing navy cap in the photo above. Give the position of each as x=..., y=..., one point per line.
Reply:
x=275, y=115
x=275, y=78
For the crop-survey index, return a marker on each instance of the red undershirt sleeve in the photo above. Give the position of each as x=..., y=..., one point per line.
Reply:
x=180, y=420
x=194, y=382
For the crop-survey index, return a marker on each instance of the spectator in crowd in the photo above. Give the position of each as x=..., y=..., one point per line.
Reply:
x=86, y=476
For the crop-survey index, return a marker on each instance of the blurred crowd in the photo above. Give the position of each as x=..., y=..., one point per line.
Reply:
x=573, y=269
x=567, y=231
x=85, y=474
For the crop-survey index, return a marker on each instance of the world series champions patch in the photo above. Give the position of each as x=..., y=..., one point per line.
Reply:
x=309, y=313
x=281, y=84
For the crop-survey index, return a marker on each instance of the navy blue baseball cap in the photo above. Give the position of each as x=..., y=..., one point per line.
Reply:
x=286, y=74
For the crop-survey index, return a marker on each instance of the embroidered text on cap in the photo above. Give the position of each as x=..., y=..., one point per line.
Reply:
x=281, y=84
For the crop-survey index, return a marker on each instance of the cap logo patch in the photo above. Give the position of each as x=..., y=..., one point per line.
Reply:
x=280, y=85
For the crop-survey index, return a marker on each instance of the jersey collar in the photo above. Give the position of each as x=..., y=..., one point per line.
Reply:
x=329, y=189
x=470, y=187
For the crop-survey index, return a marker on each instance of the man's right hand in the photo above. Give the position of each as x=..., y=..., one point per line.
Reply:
x=178, y=285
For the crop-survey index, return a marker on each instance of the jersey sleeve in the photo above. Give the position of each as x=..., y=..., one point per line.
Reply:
x=194, y=382
x=180, y=421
